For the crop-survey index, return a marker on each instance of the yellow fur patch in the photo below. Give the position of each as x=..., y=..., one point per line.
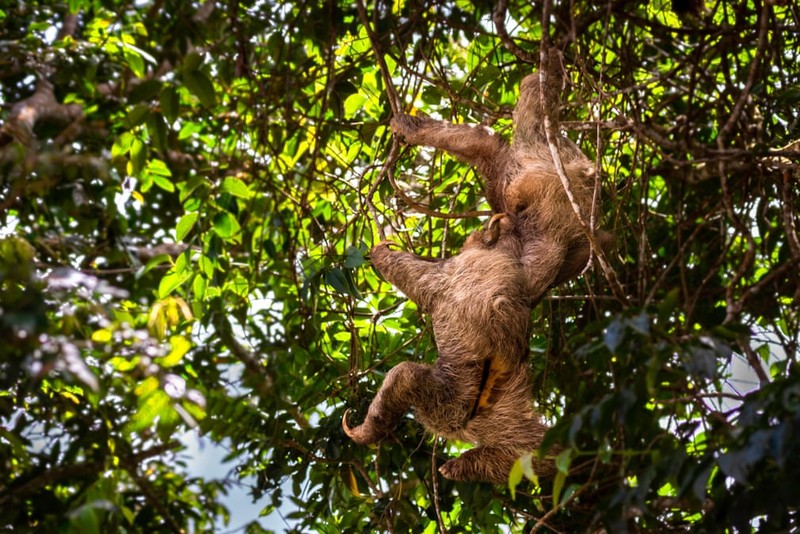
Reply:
x=492, y=382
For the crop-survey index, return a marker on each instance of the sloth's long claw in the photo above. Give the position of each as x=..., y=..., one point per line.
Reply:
x=344, y=424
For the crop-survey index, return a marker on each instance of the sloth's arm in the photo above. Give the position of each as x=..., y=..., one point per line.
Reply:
x=477, y=145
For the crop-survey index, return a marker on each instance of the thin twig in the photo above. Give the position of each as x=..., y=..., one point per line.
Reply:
x=435, y=478
x=388, y=164
x=156, y=499
x=789, y=216
x=734, y=308
x=433, y=213
x=550, y=134
x=394, y=100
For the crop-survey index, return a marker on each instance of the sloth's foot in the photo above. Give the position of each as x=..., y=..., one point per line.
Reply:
x=481, y=464
x=500, y=224
x=490, y=464
x=406, y=126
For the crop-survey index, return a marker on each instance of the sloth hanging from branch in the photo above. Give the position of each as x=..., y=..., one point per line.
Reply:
x=479, y=300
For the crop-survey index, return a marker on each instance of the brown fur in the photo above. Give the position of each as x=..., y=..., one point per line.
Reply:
x=478, y=390
x=480, y=318
x=521, y=179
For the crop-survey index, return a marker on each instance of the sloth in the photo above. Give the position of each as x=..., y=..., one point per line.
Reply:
x=478, y=390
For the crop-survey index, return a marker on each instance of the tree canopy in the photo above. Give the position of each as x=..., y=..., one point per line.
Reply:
x=188, y=194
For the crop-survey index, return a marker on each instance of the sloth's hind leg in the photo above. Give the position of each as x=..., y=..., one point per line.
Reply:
x=485, y=464
x=407, y=384
x=491, y=464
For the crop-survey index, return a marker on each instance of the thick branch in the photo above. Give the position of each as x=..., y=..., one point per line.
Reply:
x=41, y=105
x=251, y=363
x=499, y=17
x=63, y=473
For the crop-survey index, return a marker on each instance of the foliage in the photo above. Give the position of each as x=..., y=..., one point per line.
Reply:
x=185, y=208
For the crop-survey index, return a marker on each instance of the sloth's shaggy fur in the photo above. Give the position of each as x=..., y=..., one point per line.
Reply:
x=478, y=391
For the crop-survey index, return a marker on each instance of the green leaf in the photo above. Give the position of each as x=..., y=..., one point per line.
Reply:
x=163, y=182
x=145, y=91
x=135, y=50
x=527, y=468
x=199, y=287
x=188, y=187
x=158, y=167
x=122, y=145
x=354, y=257
x=225, y=225
x=236, y=187
x=337, y=278
x=192, y=61
x=199, y=84
x=207, y=266
x=157, y=129
x=134, y=61
x=170, y=282
x=170, y=103
x=188, y=130
x=85, y=519
x=238, y=286
x=156, y=261
x=153, y=405
x=564, y=460
x=185, y=225
x=515, y=477
x=136, y=115
x=138, y=156
x=558, y=485
x=354, y=104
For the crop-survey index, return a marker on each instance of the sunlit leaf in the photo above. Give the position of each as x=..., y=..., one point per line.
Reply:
x=146, y=387
x=135, y=61
x=225, y=225
x=185, y=225
x=138, y=156
x=122, y=145
x=162, y=181
x=236, y=187
x=199, y=287
x=155, y=404
x=170, y=282
x=354, y=103
x=515, y=477
x=101, y=336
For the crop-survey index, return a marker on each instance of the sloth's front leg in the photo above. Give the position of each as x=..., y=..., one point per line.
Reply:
x=477, y=145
